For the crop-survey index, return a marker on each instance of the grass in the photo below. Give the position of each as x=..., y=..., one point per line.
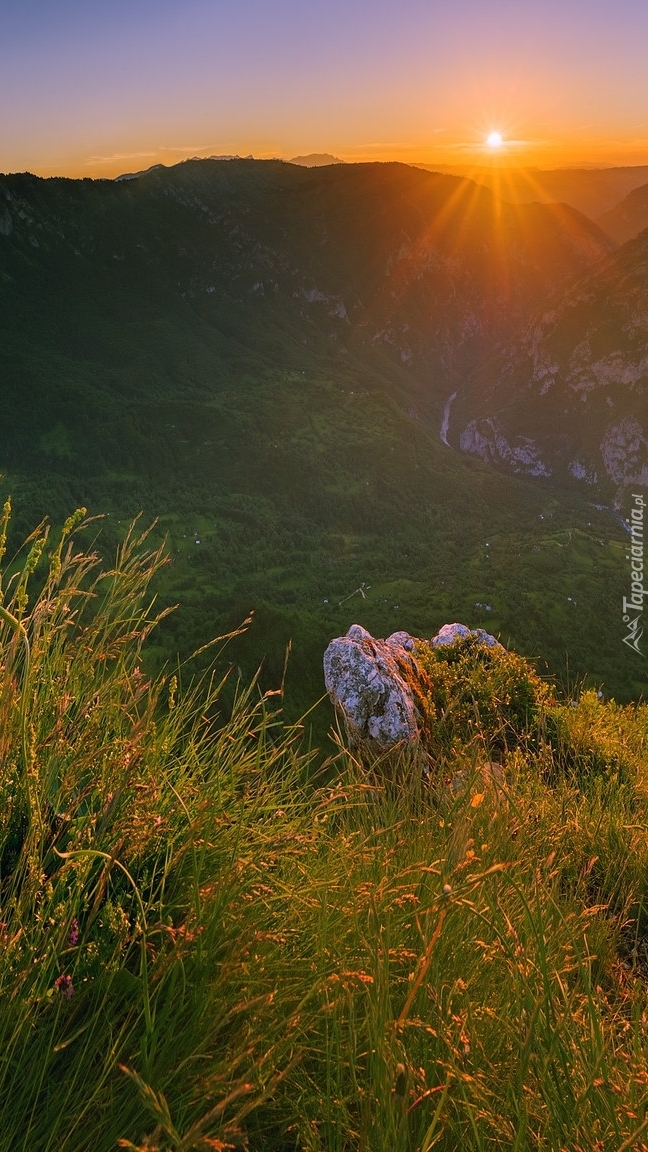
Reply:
x=203, y=948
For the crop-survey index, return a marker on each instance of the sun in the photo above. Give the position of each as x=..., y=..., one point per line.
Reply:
x=494, y=140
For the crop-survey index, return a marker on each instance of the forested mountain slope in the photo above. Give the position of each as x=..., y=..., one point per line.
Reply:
x=260, y=354
x=571, y=398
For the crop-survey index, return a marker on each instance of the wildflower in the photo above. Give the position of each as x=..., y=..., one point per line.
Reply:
x=64, y=985
x=73, y=934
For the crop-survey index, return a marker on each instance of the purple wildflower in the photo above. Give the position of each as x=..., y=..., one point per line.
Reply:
x=73, y=935
x=64, y=984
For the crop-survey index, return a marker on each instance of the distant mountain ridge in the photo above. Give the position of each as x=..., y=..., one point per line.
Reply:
x=190, y=159
x=316, y=160
x=426, y=270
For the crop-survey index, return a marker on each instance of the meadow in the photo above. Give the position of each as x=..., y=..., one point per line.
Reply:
x=211, y=940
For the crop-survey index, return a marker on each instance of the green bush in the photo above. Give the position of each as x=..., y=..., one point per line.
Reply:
x=475, y=692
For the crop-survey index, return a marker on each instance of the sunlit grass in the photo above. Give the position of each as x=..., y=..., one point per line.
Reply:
x=201, y=949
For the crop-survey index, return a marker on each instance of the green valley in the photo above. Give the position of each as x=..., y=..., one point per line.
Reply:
x=258, y=355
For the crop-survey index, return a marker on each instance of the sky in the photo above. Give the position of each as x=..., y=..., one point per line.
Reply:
x=100, y=87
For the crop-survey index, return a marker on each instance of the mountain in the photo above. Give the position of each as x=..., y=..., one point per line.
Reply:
x=592, y=191
x=315, y=160
x=628, y=218
x=155, y=167
x=423, y=271
x=571, y=398
x=260, y=355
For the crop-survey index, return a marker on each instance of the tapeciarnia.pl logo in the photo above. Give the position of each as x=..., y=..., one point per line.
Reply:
x=633, y=605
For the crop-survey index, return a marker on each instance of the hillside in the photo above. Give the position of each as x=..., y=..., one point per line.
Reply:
x=627, y=219
x=571, y=397
x=260, y=355
x=592, y=191
x=208, y=946
x=431, y=266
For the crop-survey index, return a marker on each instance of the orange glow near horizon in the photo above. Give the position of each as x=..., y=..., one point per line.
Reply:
x=99, y=90
x=469, y=151
x=461, y=148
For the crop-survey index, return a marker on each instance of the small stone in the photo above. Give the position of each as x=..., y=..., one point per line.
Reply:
x=450, y=633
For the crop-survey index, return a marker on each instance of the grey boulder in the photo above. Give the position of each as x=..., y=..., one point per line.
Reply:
x=367, y=681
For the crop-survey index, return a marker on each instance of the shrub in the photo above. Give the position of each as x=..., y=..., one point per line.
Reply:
x=475, y=692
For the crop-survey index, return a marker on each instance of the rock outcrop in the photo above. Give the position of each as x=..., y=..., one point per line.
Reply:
x=369, y=681
x=377, y=685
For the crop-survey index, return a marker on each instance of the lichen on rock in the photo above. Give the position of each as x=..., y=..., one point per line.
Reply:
x=369, y=682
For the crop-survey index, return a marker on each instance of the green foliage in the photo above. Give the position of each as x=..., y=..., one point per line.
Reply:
x=477, y=689
x=202, y=946
x=293, y=442
x=588, y=739
x=202, y=951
